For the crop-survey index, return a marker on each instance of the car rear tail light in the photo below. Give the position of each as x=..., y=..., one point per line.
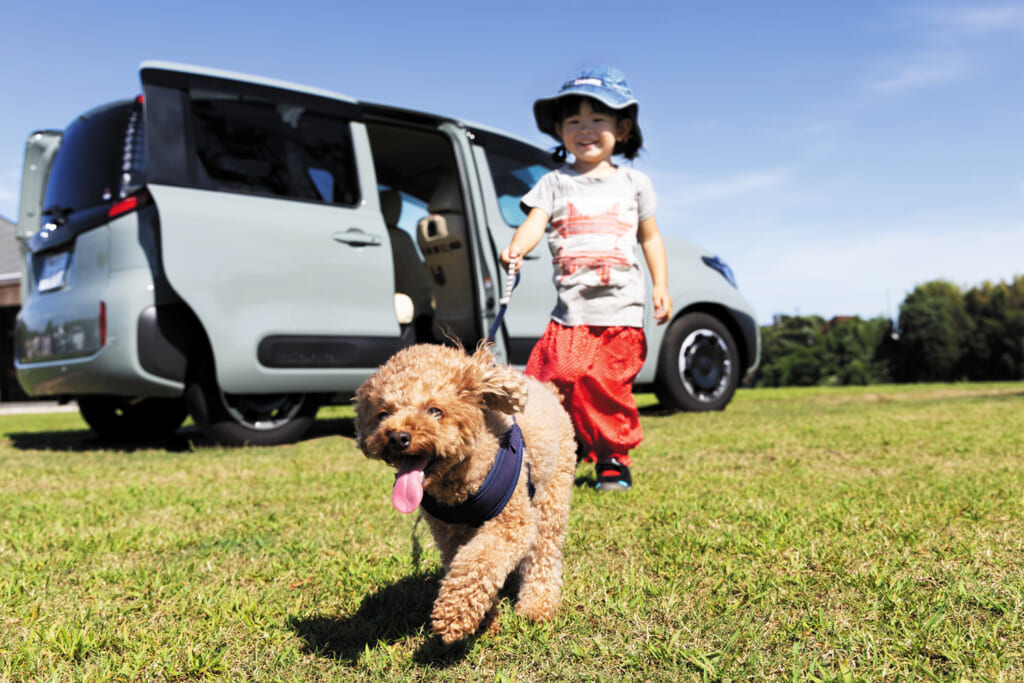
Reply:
x=128, y=204
x=103, y=324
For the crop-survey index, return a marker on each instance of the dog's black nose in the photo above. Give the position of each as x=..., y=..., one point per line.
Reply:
x=399, y=440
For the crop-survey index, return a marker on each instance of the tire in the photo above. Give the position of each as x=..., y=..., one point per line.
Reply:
x=698, y=365
x=119, y=417
x=246, y=419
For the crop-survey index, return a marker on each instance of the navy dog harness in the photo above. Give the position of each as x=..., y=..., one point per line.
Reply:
x=492, y=496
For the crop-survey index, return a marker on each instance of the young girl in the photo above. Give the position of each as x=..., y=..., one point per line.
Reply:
x=594, y=345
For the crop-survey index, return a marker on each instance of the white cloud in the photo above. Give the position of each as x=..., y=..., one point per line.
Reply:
x=728, y=188
x=925, y=70
x=958, y=38
x=977, y=20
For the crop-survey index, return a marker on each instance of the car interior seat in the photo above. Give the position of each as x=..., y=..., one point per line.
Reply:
x=413, y=297
x=443, y=240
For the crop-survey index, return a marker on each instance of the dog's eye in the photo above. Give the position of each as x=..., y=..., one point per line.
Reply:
x=383, y=415
x=435, y=413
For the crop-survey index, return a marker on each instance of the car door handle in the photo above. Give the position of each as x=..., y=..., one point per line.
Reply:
x=357, y=238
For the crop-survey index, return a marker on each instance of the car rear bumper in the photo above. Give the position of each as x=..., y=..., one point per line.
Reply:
x=60, y=350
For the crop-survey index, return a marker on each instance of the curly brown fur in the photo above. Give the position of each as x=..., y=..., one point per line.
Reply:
x=445, y=411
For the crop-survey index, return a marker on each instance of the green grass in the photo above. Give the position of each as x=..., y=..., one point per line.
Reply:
x=803, y=534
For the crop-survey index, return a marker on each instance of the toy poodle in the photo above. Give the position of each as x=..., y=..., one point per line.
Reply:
x=488, y=455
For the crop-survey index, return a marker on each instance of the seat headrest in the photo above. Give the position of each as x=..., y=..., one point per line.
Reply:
x=447, y=197
x=391, y=206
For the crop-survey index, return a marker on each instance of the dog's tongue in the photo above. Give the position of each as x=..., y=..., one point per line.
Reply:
x=408, y=491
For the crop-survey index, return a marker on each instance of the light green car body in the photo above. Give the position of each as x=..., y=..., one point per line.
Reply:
x=298, y=298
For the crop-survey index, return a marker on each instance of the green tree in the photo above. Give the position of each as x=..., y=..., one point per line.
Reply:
x=792, y=352
x=995, y=350
x=934, y=332
x=944, y=335
x=857, y=351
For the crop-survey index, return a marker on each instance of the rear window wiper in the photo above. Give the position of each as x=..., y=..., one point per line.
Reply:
x=59, y=214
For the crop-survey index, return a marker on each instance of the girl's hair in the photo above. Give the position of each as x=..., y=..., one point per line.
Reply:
x=570, y=106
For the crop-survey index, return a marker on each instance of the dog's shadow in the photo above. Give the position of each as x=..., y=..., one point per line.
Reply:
x=393, y=614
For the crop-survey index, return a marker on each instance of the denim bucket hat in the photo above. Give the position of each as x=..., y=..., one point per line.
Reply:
x=604, y=83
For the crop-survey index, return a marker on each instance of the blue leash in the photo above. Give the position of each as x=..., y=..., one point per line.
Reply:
x=510, y=284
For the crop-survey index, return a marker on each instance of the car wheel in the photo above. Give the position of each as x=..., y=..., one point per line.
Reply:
x=698, y=364
x=122, y=417
x=246, y=419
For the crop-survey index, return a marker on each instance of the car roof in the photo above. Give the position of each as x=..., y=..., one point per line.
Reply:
x=373, y=109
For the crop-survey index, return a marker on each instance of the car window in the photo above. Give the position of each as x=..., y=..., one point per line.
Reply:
x=513, y=177
x=99, y=160
x=247, y=144
x=413, y=209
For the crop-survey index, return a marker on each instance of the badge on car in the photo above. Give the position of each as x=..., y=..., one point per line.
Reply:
x=54, y=271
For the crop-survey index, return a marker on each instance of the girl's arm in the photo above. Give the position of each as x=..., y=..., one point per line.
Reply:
x=654, y=252
x=526, y=237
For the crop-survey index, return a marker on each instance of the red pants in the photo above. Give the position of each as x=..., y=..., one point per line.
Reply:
x=594, y=368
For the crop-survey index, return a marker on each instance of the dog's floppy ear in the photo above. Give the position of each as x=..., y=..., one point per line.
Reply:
x=503, y=389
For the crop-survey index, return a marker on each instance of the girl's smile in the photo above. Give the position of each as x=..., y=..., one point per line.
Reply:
x=590, y=136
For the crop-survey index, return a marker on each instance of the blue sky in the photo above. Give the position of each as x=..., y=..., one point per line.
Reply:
x=836, y=154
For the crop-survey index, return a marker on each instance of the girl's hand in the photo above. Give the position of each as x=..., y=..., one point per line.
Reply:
x=509, y=254
x=662, y=305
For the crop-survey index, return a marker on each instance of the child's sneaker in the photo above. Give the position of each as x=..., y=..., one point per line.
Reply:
x=612, y=475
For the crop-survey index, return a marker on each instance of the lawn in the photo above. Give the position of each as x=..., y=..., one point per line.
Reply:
x=862, y=534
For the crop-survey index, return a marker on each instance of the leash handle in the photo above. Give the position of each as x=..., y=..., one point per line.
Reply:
x=511, y=281
x=510, y=284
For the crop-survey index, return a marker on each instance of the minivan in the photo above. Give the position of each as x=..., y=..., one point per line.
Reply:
x=245, y=250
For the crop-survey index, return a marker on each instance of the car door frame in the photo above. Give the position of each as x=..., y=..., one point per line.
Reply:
x=326, y=330
x=530, y=306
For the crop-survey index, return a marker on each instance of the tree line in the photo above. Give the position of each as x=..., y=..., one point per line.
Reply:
x=943, y=334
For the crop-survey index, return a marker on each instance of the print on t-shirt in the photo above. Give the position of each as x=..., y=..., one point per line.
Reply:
x=592, y=243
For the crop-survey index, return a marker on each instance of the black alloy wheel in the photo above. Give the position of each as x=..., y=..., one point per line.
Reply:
x=698, y=365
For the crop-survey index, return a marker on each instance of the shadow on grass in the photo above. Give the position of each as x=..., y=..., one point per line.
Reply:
x=392, y=615
x=83, y=440
x=339, y=426
x=656, y=410
x=182, y=440
x=586, y=481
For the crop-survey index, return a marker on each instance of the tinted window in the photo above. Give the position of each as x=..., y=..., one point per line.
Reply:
x=248, y=144
x=513, y=176
x=99, y=159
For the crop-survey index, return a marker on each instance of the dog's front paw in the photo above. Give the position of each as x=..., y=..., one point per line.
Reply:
x=452, y=630
x=463, y=601
x=456, y=615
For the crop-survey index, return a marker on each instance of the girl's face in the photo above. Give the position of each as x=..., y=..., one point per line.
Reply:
x=590, y=136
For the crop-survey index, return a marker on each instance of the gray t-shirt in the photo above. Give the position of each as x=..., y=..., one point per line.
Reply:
x=593, y=239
